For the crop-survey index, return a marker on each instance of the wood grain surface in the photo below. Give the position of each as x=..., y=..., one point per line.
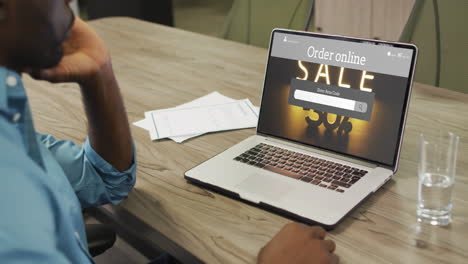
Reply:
x=160, y=67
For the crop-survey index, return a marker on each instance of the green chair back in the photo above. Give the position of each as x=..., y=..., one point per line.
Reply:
x=421, y=30
x=251, y=21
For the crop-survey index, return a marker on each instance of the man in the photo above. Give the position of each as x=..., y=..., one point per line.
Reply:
x=45, y=182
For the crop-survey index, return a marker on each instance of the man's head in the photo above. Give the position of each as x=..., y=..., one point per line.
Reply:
x=33, y=32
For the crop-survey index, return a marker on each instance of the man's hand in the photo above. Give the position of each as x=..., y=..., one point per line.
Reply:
x=85, y=58
x=298, y=243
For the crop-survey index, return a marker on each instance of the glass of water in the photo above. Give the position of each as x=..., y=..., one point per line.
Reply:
x=437, y=168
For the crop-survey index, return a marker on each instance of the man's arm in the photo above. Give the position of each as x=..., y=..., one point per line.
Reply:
x=109, y=132
x=103, y=170
x=87, y=62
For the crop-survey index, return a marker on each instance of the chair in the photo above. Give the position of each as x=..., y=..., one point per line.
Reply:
x=441, y=63
x=100, y=238
x=251, y=21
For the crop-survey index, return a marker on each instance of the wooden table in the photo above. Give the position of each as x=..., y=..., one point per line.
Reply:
x=160, y=67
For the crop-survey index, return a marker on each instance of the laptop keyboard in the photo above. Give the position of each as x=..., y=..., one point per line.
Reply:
x=326, y=174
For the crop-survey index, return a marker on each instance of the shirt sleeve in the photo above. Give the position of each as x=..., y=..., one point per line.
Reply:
x=94, y=180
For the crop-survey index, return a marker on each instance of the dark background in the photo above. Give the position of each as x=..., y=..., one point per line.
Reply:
x=375, y=140
x=157, y=11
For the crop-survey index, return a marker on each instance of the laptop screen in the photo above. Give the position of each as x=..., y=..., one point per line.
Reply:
x=344, y=95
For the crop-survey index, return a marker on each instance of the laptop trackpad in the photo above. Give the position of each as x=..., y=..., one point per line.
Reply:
x=262, y=187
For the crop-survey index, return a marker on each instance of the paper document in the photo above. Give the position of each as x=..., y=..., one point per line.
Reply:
x=144, y=123
x=214, y=98
x=202, y=119
x=210, y=99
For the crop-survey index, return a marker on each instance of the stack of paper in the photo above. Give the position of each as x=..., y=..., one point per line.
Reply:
x=211, y=113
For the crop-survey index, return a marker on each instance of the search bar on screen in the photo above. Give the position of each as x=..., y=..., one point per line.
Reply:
x=333, y=101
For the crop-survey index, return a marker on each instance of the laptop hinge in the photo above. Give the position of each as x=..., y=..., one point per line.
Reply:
x=322, y=152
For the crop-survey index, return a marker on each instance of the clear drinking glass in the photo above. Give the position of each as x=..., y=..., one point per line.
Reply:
x=437, y=168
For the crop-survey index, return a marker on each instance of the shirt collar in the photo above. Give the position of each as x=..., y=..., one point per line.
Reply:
x=10, y=86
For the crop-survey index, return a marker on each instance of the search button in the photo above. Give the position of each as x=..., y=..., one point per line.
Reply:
x=360, y=107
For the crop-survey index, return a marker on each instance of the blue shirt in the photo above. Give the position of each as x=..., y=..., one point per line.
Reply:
x=45, y=183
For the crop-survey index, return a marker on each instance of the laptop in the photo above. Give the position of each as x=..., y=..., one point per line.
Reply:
x=330, y=128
